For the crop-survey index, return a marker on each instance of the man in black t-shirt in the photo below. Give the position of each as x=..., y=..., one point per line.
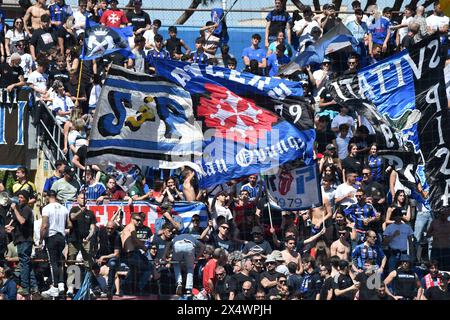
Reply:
x=11, y=74
x=43, y=39
x=163, y=240
x=258, y=245
x=366, y=282
x=277, y=20
x=66, y=34
x=246, y=292
x=139, y=19
x=110, y=246
x=238, y=279
x=60, y=72
x=324, y=135
x=21, y=228
x=269, y=277
x=326, y=292
x=222, y=239
x=330, y=20
x=343, y=287
x=222, y=286
x=276, y=292
x=80, y=235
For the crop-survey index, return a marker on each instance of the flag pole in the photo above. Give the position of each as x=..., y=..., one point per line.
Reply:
x=268, y=201
x=79, y=82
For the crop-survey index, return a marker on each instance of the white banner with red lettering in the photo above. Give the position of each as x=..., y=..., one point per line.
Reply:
x=105, y=212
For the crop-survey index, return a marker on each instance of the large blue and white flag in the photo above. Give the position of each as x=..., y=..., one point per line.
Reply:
x=334, y=40
x=409, y=91
x=101, y=40
x=248, y=125
x=145, y=121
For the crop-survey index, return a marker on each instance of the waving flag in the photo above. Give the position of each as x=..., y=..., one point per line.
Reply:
x=409, y=91
x=144, y=121
x=334, y=40
x=241, y=135
x=101, y=40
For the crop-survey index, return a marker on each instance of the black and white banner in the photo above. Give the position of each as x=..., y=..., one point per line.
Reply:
x=409, y=93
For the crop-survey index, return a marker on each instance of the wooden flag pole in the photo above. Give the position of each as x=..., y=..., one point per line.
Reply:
x=79, y=83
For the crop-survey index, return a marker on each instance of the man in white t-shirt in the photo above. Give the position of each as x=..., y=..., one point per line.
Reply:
x=304, y=27
x=437, y=21
x=345, y=192
x=408, y=18
x=55, y=220
x=38, y=80
x=398, y=236
x=342, y=118
x=149, y=35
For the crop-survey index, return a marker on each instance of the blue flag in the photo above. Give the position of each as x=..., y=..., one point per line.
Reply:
x=334, y=40
x=243, y=134
x=101, y=40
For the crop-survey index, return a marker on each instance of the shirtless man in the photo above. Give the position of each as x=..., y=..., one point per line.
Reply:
x=132, y=255
x=35, y=12
x=341, y=247
x=290, y=255
x=320, y=214
x=440, y=231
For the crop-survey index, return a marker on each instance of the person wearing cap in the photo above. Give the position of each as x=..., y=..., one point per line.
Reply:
x=269, y=277
x=329, y=157
x=439, y=292
x=330, y=20
x=277, y=20
x=344, y=288
x=22, y=230
x=403, y=283
x=398, y=236
x=255, y=52
x=114, y=17
x=66, y=187
x=55, y=220
x=11, y=75
x=139, y=19
x=258, y=245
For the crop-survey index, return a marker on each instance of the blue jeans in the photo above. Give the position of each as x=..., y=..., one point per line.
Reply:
x=113, y=265
x=184, y=251
x=140, y=264
x=27, y=277
x=423, y=221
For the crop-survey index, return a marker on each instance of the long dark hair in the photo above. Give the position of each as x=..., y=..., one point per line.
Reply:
x=397, y=194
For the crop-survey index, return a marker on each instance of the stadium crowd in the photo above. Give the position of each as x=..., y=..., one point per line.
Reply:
x=369, y=241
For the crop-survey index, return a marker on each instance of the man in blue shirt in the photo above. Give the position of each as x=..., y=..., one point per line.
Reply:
x=379, y=32
x=277, y=59
x=368, y=250
x=157, y=52
x=254, y=52
x=59, y=11
x=277, y=20
x=359, y=30
x=362, y=214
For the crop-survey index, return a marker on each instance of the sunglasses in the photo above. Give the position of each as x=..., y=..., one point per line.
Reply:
x=138, y=220
x=257, y=260
x=225, y=228
x=19, y=22
x=351, y=62
x=220, y=274
x=195, y=220
x=245, y=289
x=366, y=174
x=153, y=248
x=282, y=281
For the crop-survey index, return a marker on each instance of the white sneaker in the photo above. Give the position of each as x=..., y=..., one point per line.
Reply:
x=52, y=292
x=61, y=288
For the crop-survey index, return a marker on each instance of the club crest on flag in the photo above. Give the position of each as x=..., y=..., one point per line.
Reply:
x=234, y=117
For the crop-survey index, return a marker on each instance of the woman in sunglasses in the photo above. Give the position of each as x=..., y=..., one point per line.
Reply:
x=17, y=33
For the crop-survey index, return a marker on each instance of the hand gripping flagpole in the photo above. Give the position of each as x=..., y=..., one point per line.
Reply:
x=221, y=19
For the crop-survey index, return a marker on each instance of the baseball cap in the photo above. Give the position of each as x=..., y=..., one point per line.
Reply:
x=257, y=229
x=70, y=171
x=51, y=193
x=277, y=255
x=330, y=147
x=326, y=59
x=405, y=257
